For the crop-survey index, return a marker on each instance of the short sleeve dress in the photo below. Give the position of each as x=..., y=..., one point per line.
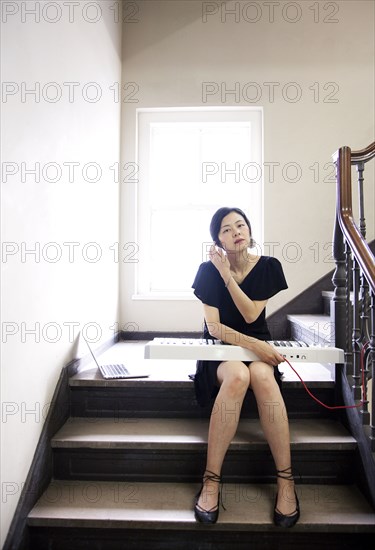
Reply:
x=264, y=281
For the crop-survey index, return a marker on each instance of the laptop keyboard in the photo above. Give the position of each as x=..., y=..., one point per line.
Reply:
x=115, y=371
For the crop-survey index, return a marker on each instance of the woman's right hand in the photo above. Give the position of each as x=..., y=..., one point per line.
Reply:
x=220, y=261
x=266, y=352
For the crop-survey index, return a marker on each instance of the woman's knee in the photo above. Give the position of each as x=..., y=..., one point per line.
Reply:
x=261, y=374
x=235, y=376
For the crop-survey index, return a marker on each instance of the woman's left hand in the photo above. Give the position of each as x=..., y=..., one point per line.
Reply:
x=220, y=261
x=267, y=353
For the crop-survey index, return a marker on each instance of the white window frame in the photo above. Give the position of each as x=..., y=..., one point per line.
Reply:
x=144, y=118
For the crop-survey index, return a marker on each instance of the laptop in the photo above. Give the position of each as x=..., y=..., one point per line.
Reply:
x=113, y=371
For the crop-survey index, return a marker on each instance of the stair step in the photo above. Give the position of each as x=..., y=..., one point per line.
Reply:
x=169, y=392
x=312, y=329
x=175, y=450
x=179, y=434
x=160, y=506
x=173, y=375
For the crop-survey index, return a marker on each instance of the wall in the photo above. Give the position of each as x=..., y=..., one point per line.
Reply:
x=59, y=274
x=309, y=64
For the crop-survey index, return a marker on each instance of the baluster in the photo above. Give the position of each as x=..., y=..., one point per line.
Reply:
x=348, y=310
x=372, y=367
x=362, y=220
x=339, y=280
x=356, y=334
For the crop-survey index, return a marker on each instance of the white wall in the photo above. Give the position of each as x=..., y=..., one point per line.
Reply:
x=55, y=299
x=171, y=49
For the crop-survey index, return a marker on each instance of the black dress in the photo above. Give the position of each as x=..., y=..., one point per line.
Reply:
x=264, y=281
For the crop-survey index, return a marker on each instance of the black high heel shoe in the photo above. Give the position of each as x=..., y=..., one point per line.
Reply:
x=208, y=516
x=286, y=520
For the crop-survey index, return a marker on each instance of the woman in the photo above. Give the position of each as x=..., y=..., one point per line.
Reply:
x=234, y=287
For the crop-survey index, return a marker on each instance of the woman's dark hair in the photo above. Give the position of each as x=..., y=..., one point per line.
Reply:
x=217, y=218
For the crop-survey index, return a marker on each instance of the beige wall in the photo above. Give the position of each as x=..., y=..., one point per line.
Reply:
x=171, y=49
x=60, y=289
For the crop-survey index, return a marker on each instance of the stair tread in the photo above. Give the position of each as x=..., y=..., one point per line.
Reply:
x=177, y=376
x=330, y=294
x=309, y=318
x=175, y=373
x=187, y=433
x=316, y=327
x=170, y=506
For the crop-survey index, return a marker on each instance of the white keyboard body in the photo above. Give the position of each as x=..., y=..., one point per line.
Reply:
x=187, y=348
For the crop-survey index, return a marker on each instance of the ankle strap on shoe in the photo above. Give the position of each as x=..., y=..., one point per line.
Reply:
x=217, y=479
x=211, y=477
x=285, y=474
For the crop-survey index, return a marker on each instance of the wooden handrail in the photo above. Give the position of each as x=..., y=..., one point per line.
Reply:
x=344, y=158
x=364, y=155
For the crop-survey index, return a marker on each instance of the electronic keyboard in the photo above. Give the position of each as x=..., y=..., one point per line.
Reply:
x=215, y=350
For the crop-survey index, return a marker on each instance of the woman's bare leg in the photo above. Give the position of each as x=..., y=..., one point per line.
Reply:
x=234, y=379
x=275, y=425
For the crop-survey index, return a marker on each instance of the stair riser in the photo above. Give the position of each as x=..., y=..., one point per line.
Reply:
x=202, y=538
x=180, y=403
x=143, y=465
x=313, y=335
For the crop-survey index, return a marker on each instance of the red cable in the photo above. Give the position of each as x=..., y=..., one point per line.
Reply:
x=336, y=406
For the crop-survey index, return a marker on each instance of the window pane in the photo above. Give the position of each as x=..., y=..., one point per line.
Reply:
x=180, y=247
x=173, y=162
x=192, y=163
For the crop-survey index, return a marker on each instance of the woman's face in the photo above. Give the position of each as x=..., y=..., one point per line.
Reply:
x=234, y=233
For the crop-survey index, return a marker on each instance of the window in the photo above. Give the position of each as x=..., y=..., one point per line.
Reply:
x=191, y=162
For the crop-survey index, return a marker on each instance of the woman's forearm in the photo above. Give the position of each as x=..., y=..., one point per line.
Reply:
x=263, y=350
x=230, y=336
x=249, y=310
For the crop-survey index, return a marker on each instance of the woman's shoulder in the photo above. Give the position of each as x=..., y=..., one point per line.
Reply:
x=269, y=259
x=270, y=276
x=266, y=269
x=269, y=262
x=208, y=284
x=207, y=269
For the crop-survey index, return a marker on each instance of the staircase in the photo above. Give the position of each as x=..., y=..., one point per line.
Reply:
x=128, y=457
x=128, y=462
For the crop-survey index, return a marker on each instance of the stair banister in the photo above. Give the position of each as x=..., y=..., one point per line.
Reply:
x=354, y=324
